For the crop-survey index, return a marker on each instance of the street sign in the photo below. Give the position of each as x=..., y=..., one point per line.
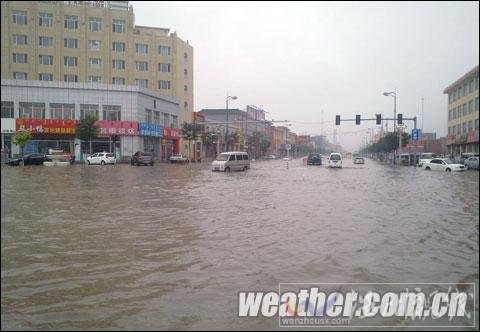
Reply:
x=415, y=134
x=288, y=146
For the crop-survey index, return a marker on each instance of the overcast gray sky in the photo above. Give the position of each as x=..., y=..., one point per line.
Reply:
x=297, y=59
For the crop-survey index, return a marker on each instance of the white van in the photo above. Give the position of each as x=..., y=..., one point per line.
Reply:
x=231, y=161
x=335, y=160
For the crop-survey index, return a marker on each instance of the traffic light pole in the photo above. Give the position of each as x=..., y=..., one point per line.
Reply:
x=400, y=118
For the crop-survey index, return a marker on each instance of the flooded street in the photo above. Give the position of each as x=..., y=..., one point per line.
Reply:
x=170, y=246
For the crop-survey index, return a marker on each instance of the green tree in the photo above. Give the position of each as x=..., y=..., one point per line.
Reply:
x=87, y=129
x=209, y=140
x=259, y=143
x=190, y=132
x=21, y=139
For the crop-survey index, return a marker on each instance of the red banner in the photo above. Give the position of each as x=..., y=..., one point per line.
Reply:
x=47, y=126
x=171, y=133
x=472, y=137
x=127, y=128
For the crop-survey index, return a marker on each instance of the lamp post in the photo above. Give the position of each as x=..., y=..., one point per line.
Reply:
x=394, y=95
x=226, y=136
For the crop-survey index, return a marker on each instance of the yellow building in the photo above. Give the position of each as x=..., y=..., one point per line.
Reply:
x=463, y=114
x=94, y=41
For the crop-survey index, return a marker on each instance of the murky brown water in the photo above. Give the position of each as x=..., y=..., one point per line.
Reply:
x=169, y=247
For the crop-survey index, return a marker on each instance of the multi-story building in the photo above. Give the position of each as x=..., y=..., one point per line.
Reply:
x=95, y=42
x=463, y=114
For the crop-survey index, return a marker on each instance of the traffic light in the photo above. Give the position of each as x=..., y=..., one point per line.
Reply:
x=357, y=119
x=379, y=119
x=399, y=118
x=337, y=120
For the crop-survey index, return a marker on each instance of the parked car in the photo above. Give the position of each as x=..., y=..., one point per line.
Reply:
x=29, y=159
x=335, y=160
x=441, y=164
x=471, y=163
x=179, y=159
x=142, y=158
x=466, y=155
x=425, y=157
x=359, y=160
x=286, y=158
x=101, y=158
x=272, y=157
x=314, y=159
x=231, y=161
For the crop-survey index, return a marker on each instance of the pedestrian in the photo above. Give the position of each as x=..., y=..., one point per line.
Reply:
x=7, y=152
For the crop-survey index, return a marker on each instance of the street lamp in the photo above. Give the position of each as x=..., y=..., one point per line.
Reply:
x=394, y=95
x=226, y=137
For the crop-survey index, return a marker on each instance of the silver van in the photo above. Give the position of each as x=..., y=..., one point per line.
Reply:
x=231, y=161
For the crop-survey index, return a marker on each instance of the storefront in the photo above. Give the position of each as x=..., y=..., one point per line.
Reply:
x=110, y=136
x=48, y=134
x=170, y=142
x=152, y=135
x=467, y=142
x=8, y=130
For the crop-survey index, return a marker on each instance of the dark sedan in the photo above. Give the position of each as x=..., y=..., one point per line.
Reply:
x=142, y=158
x=314, y=159
x=29, y=159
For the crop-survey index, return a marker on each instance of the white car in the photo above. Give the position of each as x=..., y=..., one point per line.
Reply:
x=178, y=158
x=286, y=158
x=101, y=158
x=335, y=160
x=359, y=160
x=425, y=157
x=441, y=164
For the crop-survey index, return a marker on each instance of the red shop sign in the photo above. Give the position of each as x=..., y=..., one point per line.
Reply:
x=47, y=126
x=127, y=128
x=171, y=133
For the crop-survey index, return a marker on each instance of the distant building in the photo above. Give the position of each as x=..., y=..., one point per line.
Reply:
x=463, y=113
x=428, y=136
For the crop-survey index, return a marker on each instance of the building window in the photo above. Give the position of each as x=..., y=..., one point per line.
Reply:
x=142, y=83
x=465, y=110
x=141, y=65
x=185, y=72
x=71, y=22
x=459, y=92
x=118, y=64
x=465, y=89
x=118, y=80
x=185, y=88
x=476, y=124
x=185, y=55
x=470, y=125
x=476, y=83
x=470, y=106
x=476, y=104
x=94, y=45
x=94, y=62
x=70, y=43
x=19, y=76
x=174, y=121
x=45, y=77
x=148, y=116
x=185, y=105
x=45, y=41
x=111, y=112
x=19, y=39
x=164, y=85
x=95, y=24
x=449, y=115
x=459, y=129
x=32, y=110
x=141, y=48
x=19, y=58
x=156, y=117
x=164, y=50
x=164, y=67
x=62, y=111
x=70, y=61
x=166, y=120
x=119, y=26
x=19, y=17
x=70, y=78
x=88, y=110
x=45, y=60
x=464, y=125
x=118, y=47
x=471, y=86
x=154, y=103
x=7, y=109
x=95, y=79
x=45, y=19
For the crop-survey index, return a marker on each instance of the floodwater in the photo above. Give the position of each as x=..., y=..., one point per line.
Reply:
x=170, y=246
